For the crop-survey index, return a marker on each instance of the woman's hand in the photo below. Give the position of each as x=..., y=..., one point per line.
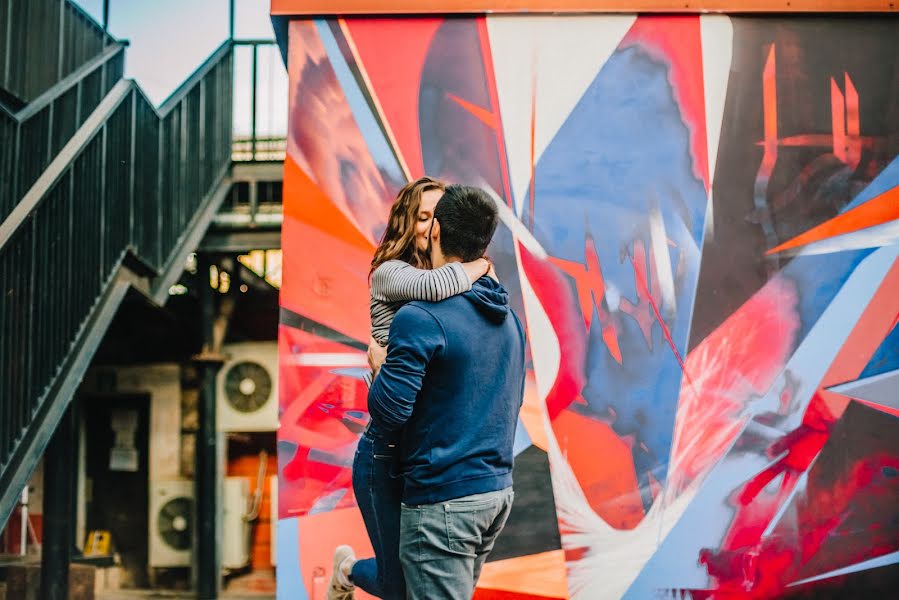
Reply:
x=377, y=354
x=491, y=273
x=476, y=268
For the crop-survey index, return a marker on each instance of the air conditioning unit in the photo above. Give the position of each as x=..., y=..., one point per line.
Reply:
x=247, y=388
x=171, y=523
x=273, y=515
x=235, y=529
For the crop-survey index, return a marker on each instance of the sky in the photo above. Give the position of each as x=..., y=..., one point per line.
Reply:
x=171, y=38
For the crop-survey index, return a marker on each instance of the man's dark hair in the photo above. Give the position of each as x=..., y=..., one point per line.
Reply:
x=468, y=219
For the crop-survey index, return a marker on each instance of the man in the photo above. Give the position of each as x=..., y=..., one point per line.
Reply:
x=453, y=382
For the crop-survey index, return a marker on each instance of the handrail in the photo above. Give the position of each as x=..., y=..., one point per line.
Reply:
x=255, y=148
x=91, y=127
x=255, y=42
x=91, y=22
x=198, y=74
x=134, y=185
x=61, y=36
x=69, y=81
x=36, y=162
x=85, y=134
x=36, y=133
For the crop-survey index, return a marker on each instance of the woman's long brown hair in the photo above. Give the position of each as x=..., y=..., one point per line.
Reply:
x=398, y=241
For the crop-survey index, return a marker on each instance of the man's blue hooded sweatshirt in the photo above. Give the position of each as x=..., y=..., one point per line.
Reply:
x=453, y=383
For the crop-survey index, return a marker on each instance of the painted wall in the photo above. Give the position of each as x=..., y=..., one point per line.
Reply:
x=701, y=235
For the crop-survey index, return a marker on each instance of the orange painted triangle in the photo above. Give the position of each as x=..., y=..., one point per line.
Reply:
x=306, y=202
x=534, y=577
x=392, y=53
x=326, y=258
x=876, y=211
x=482, y=114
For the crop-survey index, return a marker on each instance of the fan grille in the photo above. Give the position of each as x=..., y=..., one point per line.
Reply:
x=247, y=386
x=175, y=523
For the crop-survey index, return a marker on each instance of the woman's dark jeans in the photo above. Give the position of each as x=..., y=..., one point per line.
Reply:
x=379, y=496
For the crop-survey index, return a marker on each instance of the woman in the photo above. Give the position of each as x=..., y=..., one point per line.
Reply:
x=399, y=273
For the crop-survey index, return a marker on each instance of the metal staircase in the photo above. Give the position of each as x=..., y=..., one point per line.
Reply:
x=99, y=192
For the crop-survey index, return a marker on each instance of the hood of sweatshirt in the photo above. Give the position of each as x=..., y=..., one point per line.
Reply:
x=490, y=298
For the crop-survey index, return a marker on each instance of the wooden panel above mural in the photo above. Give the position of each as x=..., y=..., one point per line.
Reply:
x=371, y=7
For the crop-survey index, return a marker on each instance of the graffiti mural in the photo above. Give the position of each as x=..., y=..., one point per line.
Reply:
x=701, y=233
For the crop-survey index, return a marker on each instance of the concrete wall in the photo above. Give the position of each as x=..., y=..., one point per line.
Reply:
x=163, y=383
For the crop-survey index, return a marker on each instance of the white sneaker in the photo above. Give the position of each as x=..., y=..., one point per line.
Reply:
x=340, y=587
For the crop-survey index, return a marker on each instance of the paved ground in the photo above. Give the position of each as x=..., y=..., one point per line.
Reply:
x=159, y=595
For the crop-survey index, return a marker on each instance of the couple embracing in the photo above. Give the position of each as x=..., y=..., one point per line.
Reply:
x=433, y=471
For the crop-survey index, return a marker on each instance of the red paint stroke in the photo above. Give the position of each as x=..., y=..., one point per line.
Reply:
x=820, y=140
x=853, y=125
x=764, y=569
x=643, y=291
x=838, y=121
x=796, y=450
x=769, y=104
x=322, y=413
x=392, y=52
x=845, y=141
x=641, y=312
x=591, y=289
x=845, y=123
x=533, y=182
x=737, y=362
x=554, y=295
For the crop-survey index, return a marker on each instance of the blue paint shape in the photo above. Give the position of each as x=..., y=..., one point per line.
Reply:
x=522, y=439
x=290, y=583
x=374, y=138
x=885, y=358
x=885, y=180
x=623, y=152
x=818, y=279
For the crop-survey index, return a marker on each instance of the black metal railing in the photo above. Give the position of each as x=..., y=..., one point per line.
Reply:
x=128, y=182
x=269, y=146
x=34, y=135
x=41, y=42
x=259, y=148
